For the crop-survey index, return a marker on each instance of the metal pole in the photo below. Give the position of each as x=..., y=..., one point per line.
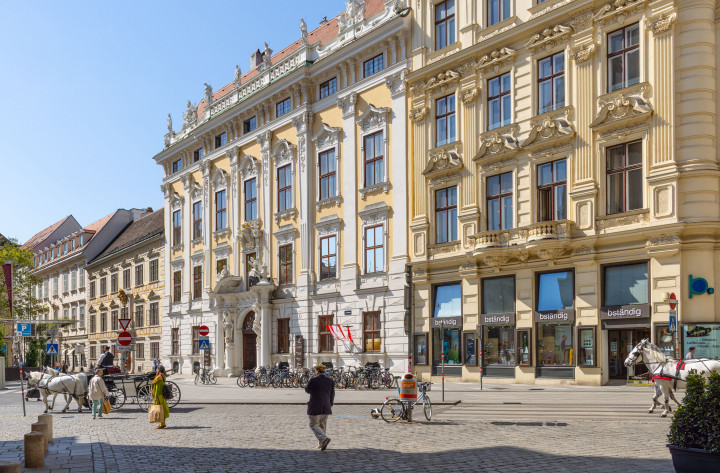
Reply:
x=442, y=371
x=12, y=341
x=480, y=358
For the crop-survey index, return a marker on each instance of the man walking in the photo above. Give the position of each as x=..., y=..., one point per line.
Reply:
x=690, y=354
x=322, y=396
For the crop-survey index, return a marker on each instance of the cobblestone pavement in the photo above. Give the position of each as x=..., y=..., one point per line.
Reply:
x=276, y=438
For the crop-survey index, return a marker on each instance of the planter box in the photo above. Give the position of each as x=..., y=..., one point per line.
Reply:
x=694, y=460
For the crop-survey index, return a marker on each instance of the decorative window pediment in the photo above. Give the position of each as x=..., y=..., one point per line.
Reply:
x=627, y=106
x=219, y=179
x=176, y=200
x=328, y=225
x=496, y=60
x=249, y=167
x=501, y=143
x=553, y=129
x=618, y=11
x=327, y=137
x=548, y=39
x=285, y=234
x=196, y=192
x=443, y=161
x=373, y=117
x=440, y=83
x=283, y=152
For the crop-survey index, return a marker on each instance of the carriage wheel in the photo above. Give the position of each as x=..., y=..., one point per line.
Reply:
x=175, y=394
x=117, y=398
x=144, y=397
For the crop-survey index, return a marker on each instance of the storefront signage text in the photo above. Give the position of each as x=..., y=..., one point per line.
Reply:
x=565, y=315
x=625, y=311
x=497, y=319
x=447, y=322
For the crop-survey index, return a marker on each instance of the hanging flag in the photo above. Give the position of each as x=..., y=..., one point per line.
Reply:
x=7, y=271
x=338, y=334
x=349, y=334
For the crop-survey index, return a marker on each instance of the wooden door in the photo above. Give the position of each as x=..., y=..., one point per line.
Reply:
x=249, y=353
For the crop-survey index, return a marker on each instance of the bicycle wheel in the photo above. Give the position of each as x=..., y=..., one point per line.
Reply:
x=392, y=410
x=144, y=397
x=213, y=378
x=175, y=390
x=427, y=408
x=197, y=378
x=242, y=381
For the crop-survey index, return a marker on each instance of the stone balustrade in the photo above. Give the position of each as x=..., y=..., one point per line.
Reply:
x=553, y=230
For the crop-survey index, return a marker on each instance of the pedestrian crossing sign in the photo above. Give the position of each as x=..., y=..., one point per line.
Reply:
x=204, y=344
x=52, y=348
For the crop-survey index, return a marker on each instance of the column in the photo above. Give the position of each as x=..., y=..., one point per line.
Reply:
x=305, y=160
x=399, y=171
x=234, y=223
x=350, y=269
x=266, y=204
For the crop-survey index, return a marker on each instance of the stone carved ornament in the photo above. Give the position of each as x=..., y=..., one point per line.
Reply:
x=498, y=144
x=190, y=115
x=496, y=60
x=250, y=235
x=228, y=326
x=548, y=38
x=583, y=53
x=443, y=161
x=618, y=11
x=418, y=114
x=623, y=106
x=440, y=83
x=663, y=240
x=550, y=129
x=661, y=24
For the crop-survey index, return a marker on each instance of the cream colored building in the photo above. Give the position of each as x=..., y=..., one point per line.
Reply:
x=298, y=164
x=564, y=185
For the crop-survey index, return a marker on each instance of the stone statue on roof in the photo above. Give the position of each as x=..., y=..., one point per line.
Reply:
x=303, y=31
x=267, y=53
x=238, y=74
x=208, y=94
x=170, y=130
x=354, y=13
x=190, y=114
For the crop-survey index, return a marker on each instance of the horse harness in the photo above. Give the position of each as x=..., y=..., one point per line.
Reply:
x=679, y=366
x=47, y=389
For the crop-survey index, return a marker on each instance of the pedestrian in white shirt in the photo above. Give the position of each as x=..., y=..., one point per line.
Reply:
x=690, y=354
x=97, y=391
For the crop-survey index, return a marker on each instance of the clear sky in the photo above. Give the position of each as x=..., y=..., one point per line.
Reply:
x=86, y=87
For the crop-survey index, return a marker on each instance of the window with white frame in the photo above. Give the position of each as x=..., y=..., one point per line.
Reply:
x=284, y=186
x=373, y=156
x=285, y=264
x=251, y=207
x=374, y=249
x=177, y=227
x=326, y=143
x=327, y=173
x=197, y=220
x=73, y=279
x=220, y=210
x=81, y=319
x=82, y=277
x=328, y=257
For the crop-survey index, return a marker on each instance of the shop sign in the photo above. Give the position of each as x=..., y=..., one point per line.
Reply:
x=698, y=286
x=498, y=319
x=438, y=322
x=625, y=311
x=705, y=337
x=564, y=315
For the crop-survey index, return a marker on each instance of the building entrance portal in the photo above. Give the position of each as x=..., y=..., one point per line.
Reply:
x=249, y=342
x=621, y=344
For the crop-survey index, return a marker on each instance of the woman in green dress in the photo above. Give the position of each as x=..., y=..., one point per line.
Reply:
x=157, y=391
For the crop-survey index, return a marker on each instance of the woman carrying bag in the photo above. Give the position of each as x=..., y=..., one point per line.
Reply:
x=161, y=412
x=96, y=391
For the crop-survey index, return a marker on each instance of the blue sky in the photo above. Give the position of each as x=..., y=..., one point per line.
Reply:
x=86, y=87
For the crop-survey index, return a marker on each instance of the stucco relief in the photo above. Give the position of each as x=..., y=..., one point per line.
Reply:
x=283, y=152
x=347, y=104
x=440, y=83
x=176, y=201
x=661, y=24
x=495, y=261
x=546, y=40
x=663, y=201
x=419, y=244
x=443, y=161
x=625, y=106
x=584, y=211
x=617, y=11
x=496, y=60
x=468, y=96
x=248, y=167
x=498, y=144
x=436, y=250
x=551, y=129
x=418, y=114
x=582, y=22
x=639, y=218
x=583, y=53
x=583, y=250
x=663, y=240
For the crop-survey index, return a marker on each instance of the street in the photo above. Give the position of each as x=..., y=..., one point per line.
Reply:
x=501, y=429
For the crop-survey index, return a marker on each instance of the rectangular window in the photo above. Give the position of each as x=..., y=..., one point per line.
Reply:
x=374, y=249
x=154, y=350
x=65, y=314
x=249, y=125
x=81, y=317
x=92, y=290
x=114, y=282
x=524, y=348
x=325, y=338
x=281, y=108
x=126, y=278
x=177, y=286
x=552, y=186
x=103, y=322
x=65, y=248
x=139, y=316
x=587, y=355
x=283, y=335
x=372, y=66
x=328, y=88
x=154, y=270
x=498, y=10
x=73, y=280
x=555, y=291
x=177, y=228
x=220, y=210
x=499, y=101
x=624, y=177
x=220, y=265
x=154, y=314
x=286, y=264
x=284, y=179
x=176, y=166
x=195, y=340
x=93, y=352
x=623, y=57
x=251, y=210
x=500, y=202
x=139, y=279
x=445, y=120
x=551, y=83
x=197, y=220
x=65, y=282
x=55, y=286
x=93, y=327
x=446, y=215
x=327, y=174
x=470, y=346
x=498, y=295
x=72, y=244
x=197, y=282
x=371, y=331
x=555, y=344
x=175, y=341
x=82, y=277
x=374, y=155
x=103, y=286
x=197, y=155
x=140, y=348
x=444, y=24
x=328, y=257
x=80, y=241
x=220, y=140
x=421, y=357
x=625, y=284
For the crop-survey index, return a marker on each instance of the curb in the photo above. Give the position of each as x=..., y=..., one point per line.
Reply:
x=258, y=403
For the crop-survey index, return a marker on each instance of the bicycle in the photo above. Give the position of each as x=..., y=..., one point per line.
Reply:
x=205, y=377
x=395, y=409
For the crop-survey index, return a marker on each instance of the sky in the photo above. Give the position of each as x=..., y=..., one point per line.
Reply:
x=86, y=87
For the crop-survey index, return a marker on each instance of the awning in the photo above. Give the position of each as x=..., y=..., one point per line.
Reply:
x=626, y=324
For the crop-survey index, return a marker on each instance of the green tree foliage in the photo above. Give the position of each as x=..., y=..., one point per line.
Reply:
x=696, y=423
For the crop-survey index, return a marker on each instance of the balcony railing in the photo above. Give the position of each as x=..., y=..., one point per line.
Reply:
x=554, y=230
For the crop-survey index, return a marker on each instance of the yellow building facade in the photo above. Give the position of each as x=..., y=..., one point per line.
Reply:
x=286, y=204
x=564, y=186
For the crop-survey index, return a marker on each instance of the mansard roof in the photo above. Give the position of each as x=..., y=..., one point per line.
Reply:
x=137, y=231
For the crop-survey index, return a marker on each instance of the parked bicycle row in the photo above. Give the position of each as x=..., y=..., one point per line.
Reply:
x=371, y=376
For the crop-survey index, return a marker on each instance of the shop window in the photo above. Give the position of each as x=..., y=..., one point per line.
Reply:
x=665, y=340
x=373, y=159
x=587, y=352
x=328, y=88
x=371, y=331
x=281, y=108
x=374, y=246
x=447, y=300
x=498, y=295
x=524, y=348
x=445, y=120
x=625, y=284
x=327, y=174
x=251, y=212
x=220, y=210
x=498, y=10
x=284, y=184
x=447, y=323
x=327, y=342
x=499, y=101
x=623, y=57
x=470, y=352
x=286, y=264
x=421, y=349
x=555, y=291
x=197, y=155
x=555, y=344
x=551, y=83
x=373, y=66
x=705, y=338
x=446, y=215
x=552, y=187
x=197, y=220
x=328, y=257
x=283, y=335
x=177, y=228
x=499, y=345
x=249, y=125
x=624, y=177
x=500, y=202
x=444, y=24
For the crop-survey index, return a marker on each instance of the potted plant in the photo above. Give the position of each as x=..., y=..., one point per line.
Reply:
x=695, y=429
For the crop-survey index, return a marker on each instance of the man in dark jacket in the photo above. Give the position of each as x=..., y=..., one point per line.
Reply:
x=322, y=396
x=106, y=360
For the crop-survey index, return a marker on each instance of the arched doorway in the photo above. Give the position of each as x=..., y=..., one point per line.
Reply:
x=249, y=342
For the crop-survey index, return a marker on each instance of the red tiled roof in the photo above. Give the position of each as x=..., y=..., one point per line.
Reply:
x=41, y=235
x=97, y=226
x=323, y=33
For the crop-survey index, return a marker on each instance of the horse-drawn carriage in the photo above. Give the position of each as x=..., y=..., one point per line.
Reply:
x=137, y=388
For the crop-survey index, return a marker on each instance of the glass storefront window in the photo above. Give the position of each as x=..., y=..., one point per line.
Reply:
x=498, y=295
x=448, y=302
x=499, y=344
x=470, y=348
x=665, y=340
x=555, y=291
x=421, y=349
x=626, y=284
x=446, y=340
x=587, y=354
x=524, y=357
x=704, y=337
x=555, y=344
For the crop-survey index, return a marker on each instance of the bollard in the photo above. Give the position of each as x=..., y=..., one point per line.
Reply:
x=6, y=467
x=48, y=419
x=34, y=450
x=41, y=427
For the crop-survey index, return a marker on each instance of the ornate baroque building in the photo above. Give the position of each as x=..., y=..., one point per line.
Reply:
x=286, y=203
x=564, y=185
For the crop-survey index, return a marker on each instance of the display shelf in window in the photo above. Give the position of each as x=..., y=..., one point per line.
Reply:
x=524, y=348
x=586, y=347
x=421, y=355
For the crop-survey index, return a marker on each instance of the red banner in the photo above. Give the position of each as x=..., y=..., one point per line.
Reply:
x=7, y=271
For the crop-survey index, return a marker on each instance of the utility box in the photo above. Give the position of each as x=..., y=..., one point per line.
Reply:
x=408, y=387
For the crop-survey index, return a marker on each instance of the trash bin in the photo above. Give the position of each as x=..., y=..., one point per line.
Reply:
x=407, y=388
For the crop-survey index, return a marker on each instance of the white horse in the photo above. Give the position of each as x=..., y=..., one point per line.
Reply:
x=667, y=373
x=49, y=383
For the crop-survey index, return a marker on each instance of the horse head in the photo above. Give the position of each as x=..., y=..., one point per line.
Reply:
x=33, y=378
x=637, y=353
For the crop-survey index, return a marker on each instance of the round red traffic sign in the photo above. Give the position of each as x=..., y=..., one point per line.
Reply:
x=673, y=301
x=204, y=331
x=124, y=339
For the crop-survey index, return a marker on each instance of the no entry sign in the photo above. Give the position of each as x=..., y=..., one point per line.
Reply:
x=204, y=331
x=673, y=301
x=124, y=339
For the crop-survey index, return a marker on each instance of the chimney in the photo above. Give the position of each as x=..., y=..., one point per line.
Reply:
x=140, y=213
x=256, y=59
x=324, y=20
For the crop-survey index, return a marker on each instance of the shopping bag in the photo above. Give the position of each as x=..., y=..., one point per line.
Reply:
x=156, y=414
x=106, y=407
